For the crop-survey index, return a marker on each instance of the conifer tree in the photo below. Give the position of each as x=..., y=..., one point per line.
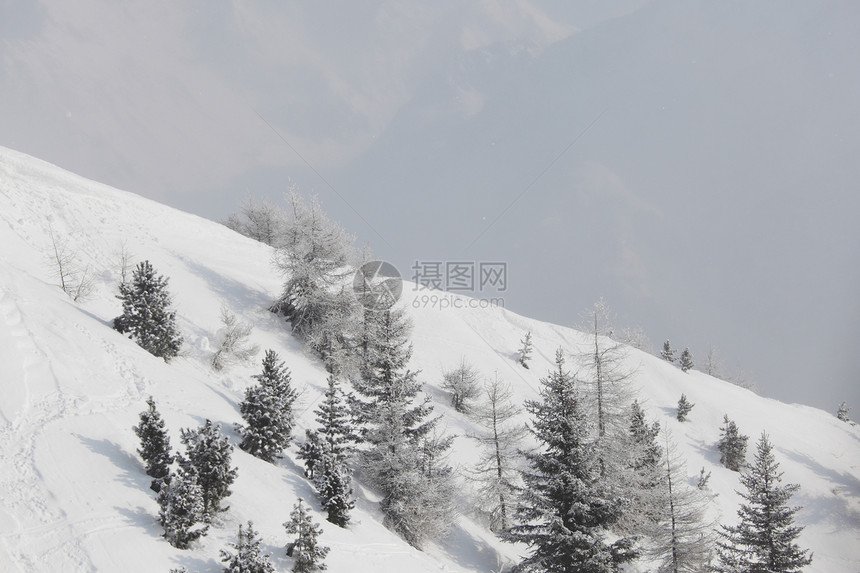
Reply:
x=209, y=453
x=764, y=539
x=565, y=506
x=732, y=445
x=311, y=452
x=328, y=453
x=154, y=445
x=307, y=553
x=842, y=412
x=146, y=314
x=682, y=539
x=686, y=361
x=668, y=354
x=647, y=451
x=182, y=510
x=704, y=478
x=462, y=382
x=268, y=411
x=496, y=470
x=336, y=429
x=393, y=428
x=525, y=350
x=248, y=558
x=334, y=485
x=684, y=407
x=643, y=475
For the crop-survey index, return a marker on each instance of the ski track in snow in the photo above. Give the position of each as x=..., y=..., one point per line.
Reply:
x=36, y=519
x=28, y=501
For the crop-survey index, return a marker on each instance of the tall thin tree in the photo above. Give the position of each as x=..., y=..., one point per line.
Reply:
x=682, y=538
x=500, y=436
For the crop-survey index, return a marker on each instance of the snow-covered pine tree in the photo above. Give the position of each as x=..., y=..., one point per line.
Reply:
x=308, y=555
x=668, y=353
x=268, y=411
x=686, y=361
x=565, y=506
x=681, y=539
x=146, y=314
x=764, y=539
x=842, y=412
x=154, y=445
x=209, y=453
x=182, y=511
x=248, y=558
x=335, y=441
x=393, y=428
x=336, y=429
x=684, y=407
x=311, y=453
x=462, y=382
x=496, y=472
x=525, y=350
x=644, y=436
x=334, y=486
x=732, y=445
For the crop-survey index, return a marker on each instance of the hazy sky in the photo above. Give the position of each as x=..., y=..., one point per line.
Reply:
x=695, y=163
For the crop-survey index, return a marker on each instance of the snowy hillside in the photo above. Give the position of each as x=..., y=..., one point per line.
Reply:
x=73, y=493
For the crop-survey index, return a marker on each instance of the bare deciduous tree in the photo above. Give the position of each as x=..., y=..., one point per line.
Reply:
x=233, y=346
x=77, y=282
x=496, y=472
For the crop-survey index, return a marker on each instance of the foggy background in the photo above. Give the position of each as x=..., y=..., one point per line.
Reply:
x=694, y=163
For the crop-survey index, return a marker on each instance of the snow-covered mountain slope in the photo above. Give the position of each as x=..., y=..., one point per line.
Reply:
x=73, y=493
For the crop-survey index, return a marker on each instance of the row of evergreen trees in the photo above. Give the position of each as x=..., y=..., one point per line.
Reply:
x=307, y=553
x=190, y=491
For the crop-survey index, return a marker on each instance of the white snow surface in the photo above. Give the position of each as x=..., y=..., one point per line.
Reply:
x=73, y=492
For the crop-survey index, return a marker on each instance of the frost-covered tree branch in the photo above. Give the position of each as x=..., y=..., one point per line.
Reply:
x=233, y=345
